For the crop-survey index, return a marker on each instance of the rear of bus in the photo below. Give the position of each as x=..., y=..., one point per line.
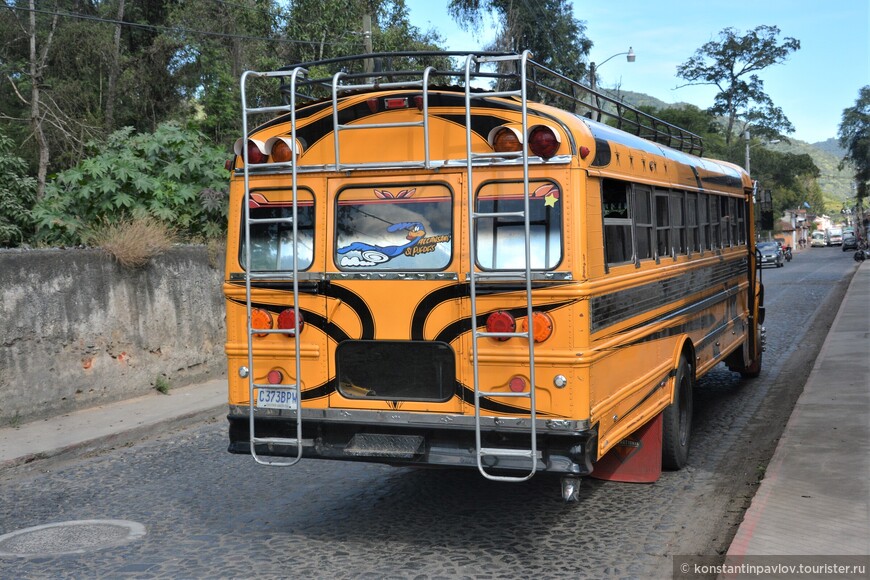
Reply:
x=418, y=274
x=389, y=369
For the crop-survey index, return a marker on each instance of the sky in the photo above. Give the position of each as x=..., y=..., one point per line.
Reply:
x=813, y=86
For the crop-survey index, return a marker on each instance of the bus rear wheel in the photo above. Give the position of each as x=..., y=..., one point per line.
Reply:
x=677, y=419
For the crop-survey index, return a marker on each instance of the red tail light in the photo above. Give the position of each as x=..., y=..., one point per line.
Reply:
x=517, y=384
x=501, y=321
x=275, y=377
x=287, y=320
x=543, y=141
x=256, y=153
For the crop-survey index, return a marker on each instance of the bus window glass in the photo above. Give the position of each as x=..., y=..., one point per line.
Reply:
x=715, y=234
x=703, y=222
x=678, y=225
x=725, y=221
x=663, y=243
x=400, y=229
x=500, y=241
x=741, y=222
x=643, y=222
x=734, y=221
x=692, y=239
x=617, y=222
x=272, y=244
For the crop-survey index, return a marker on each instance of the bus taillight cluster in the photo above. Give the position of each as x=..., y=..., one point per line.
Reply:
x=264, y=320
x=544, y=141
x=503, y=321
x=273, y=150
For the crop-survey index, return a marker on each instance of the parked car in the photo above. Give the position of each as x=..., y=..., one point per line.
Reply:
x=771, y=254
x=818, y=240
x=850, y=241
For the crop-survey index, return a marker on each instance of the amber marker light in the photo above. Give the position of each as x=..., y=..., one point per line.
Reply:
x=542, y=326
x=261, y=320
x=505, y=140
x=281, y=149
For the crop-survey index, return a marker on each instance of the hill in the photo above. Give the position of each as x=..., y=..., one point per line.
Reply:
x=835, y=183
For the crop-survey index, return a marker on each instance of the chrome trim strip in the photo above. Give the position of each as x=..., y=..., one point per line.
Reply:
x=390, y=276
x=441, y=421
x=483, y=161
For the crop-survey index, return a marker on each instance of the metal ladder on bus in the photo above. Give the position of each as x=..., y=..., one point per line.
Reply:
x=424, y=123
x=251, y=275
x=524, y=275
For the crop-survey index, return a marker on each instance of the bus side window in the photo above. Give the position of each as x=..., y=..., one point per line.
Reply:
x=703, y=222
x=692, y=239
x=618, y=246
x=643, y=222
x=678, y=224
x=715, y=233
x=725, y=223
x=663, y=228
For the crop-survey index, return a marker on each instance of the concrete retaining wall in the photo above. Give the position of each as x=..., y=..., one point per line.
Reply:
x=77, y=329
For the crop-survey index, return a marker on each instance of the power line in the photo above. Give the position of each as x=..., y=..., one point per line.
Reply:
x=170, y=29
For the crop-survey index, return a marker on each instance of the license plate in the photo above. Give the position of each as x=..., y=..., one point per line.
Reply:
x=276, y=398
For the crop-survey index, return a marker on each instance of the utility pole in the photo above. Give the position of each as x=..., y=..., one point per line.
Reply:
x=367, y=40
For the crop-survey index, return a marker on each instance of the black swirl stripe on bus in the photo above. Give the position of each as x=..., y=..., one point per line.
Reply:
x=615, y=307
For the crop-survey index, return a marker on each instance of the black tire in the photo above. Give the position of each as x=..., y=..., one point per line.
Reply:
x=677, y=419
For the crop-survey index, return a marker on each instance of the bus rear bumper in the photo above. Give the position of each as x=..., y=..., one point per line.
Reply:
x=412, y=439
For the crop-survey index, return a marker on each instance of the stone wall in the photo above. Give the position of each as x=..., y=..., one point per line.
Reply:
x=77, y=329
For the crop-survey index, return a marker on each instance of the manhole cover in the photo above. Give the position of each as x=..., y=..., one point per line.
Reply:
x=75, y=537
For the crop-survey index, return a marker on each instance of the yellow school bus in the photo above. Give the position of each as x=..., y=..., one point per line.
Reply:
x=470, y=260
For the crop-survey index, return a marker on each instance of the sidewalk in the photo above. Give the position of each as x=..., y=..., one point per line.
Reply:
x=815, y=495
x=813, y=500
x=114, y=424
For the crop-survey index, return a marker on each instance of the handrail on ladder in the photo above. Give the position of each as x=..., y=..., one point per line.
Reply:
x=481, y=451
x=254, y=440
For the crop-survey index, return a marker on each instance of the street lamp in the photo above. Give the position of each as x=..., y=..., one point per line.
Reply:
x=630, y=56
x=748, y=147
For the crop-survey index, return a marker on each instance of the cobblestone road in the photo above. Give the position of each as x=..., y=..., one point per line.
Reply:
x=208, y=514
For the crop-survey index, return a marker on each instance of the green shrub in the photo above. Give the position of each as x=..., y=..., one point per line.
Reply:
x=173, y=175
x=17, y=195
x=162, y=385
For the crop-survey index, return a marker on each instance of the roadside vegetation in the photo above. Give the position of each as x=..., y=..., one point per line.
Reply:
x=140, y=135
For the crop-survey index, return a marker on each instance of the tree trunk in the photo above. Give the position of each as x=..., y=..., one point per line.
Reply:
x=114, y=71
x=36, y=116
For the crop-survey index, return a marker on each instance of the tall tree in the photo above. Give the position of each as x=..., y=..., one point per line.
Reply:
x=854, y=136
x=560, y=44
x=27, y=79
x=732, y=64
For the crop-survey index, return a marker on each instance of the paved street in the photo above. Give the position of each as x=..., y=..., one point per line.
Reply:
x=210, y=514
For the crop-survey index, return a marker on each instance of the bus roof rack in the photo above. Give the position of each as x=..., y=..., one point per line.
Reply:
x=545, y=85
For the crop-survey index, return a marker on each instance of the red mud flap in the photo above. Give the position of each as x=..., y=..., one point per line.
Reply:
x=635, y=459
